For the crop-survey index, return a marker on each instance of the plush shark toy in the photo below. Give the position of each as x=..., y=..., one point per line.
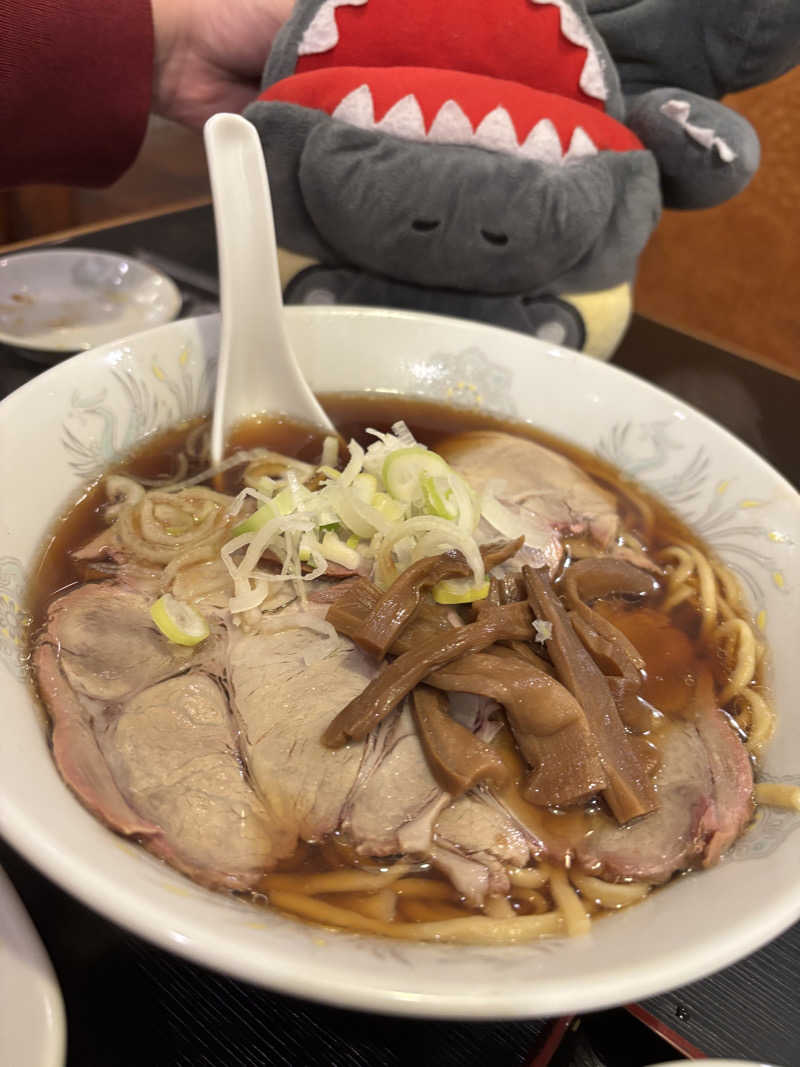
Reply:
x=505, y=162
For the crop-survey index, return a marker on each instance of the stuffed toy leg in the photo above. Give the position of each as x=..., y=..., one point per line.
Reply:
x=545, y=317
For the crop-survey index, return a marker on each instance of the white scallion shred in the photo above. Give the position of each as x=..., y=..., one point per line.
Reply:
x=403, y=434
x=355, y=519
x=330, y=452
x=239, y=499
x=354, y=464
x=544, y=630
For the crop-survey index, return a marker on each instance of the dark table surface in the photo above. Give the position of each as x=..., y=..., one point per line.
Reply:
x=130, y=1004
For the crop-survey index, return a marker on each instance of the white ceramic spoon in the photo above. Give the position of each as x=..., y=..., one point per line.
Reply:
x=257, y=369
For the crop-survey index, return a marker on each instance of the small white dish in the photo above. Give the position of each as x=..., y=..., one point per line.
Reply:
x=66, y=300
x=32, y=1026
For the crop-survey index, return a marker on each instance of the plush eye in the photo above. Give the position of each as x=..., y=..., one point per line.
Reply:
x=424, y=225
x=494, y=238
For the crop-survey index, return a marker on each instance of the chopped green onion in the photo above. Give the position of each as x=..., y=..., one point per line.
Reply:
x=265, y=485
x=392, y=510
x=459, y=591
x=335, y=550
x=256, y=520
x=403, y=469
x=287, y=501
x=438, y=494
x=292, y=498
x=365, y=487
x=178, y=621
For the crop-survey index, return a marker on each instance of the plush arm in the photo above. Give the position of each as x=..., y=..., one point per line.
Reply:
x=712, y=47
x=706, y=153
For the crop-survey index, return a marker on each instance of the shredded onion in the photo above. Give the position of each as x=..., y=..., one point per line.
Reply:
x=210, y=472
x=330, y=452
x=354, y=464
x=403, y=434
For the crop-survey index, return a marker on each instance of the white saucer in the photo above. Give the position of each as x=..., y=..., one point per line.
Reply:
x=65, y=300
x=32, y=1026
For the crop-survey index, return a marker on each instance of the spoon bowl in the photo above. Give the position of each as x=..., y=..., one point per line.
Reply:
x=257, y=370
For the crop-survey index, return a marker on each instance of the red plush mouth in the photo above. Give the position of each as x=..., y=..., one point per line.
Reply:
x=541, y=44
x=453, y=107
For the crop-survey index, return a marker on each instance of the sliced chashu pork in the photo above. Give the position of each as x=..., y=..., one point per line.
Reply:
x=172, y=752
x=284, y=691
x=146, y=740
x=108, y=645
x=545, y=494
x=475, y=842
x=148, y=747
x=705, y=797
x=397, y=807
x=396, y=799
x=99, y=646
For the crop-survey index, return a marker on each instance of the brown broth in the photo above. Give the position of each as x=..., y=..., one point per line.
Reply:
x=671, y=664
x=351, y=414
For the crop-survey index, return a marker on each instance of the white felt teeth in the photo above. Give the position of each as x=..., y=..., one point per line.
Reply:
x=591, y=80
x=356, y=108
x=543, y=143
x=322, y=33
x=404, y=119
x=496, y=131
x=451, y=126
x=580, y=145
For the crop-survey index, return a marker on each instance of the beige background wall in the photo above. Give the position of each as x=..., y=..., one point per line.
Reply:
x=732, y=273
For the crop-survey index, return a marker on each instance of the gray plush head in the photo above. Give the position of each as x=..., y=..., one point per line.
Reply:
x=455, y=177
x=458, y=216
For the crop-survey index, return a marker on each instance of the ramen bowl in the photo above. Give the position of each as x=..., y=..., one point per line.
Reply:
x=59, y=431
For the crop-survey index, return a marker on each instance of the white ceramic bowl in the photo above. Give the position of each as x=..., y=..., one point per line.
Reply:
x=713, y=1063
x=62, y=300
x=57, y=431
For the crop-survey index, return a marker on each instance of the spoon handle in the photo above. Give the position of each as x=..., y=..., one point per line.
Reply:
x=257, y=371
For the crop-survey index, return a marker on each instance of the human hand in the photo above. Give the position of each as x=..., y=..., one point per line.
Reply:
x=209, y=55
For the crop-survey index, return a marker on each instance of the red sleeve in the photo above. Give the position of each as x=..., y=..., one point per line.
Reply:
x=75, y=87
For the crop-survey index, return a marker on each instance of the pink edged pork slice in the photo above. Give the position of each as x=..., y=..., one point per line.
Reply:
x=147, y=745
x=172, y=751
x=108, y=645
x=396, y=799
x=286, y=686
x=705, y=796
x=542, y=495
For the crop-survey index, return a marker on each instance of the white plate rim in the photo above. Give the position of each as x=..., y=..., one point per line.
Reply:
x=54, y=345
x=33, y=982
